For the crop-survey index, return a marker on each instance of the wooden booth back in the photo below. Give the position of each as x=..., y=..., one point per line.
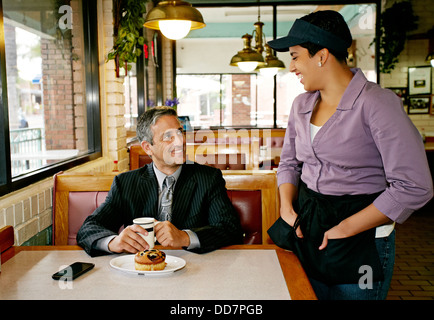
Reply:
x=77, y=195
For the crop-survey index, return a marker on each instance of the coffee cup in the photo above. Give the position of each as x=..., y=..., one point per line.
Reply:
x=148, y=224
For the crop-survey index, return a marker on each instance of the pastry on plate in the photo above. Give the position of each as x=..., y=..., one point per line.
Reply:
x=150, y=260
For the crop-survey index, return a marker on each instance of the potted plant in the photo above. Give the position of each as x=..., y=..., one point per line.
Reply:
x=395, y=23
x=128, y=33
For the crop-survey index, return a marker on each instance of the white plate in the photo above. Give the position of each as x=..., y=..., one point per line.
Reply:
x=126, y=263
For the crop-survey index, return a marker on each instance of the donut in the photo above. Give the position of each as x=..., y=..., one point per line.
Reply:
x=150, y=260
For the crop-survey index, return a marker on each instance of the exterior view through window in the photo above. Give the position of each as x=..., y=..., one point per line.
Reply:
x=45, y=82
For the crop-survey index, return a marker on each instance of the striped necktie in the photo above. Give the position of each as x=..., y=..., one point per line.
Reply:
x=165, y=212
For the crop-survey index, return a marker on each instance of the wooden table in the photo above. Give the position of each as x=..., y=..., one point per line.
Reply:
x=246, y=272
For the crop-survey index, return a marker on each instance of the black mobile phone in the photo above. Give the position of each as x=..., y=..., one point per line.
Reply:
x=73, y=271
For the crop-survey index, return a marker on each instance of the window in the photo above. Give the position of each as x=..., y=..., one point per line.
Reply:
x=225, y=100
x=130, y=95
x=253, y=99
x=50, y=88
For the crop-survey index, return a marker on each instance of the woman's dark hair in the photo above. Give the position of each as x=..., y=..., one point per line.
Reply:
x=332, y=22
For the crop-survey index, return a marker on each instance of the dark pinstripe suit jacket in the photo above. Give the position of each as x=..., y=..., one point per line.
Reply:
x=200, y=203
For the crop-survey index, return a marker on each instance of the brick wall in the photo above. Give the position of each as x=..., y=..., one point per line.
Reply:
x=112, y=92
x=241, y=99
x=28, y=213
x=57, y=92
x=167, y=67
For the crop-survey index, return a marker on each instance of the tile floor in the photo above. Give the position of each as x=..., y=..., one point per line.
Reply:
x=413, y=277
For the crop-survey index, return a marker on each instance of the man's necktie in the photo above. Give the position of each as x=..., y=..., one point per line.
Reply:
x=166, y=199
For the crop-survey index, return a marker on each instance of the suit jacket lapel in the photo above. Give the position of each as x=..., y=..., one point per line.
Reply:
x=148, y=190
x=184, y=190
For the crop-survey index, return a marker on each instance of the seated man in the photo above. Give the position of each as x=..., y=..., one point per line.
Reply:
x=201, y=217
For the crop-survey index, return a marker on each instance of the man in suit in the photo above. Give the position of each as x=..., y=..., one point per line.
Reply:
x=202, y=217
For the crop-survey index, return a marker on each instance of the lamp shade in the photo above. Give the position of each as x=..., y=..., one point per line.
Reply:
x=247, y=59
x=272, y=64
x=174, y=18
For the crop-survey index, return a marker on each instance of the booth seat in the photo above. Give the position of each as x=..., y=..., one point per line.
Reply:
x=138, y=157
x=253, y=196
x=6, y=242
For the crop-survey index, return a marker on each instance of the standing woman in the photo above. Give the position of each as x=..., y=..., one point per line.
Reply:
x=351, y=166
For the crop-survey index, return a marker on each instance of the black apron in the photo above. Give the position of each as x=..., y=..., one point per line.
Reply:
x=341, y=260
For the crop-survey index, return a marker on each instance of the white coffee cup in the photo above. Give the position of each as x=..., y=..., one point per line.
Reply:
x=148, y=224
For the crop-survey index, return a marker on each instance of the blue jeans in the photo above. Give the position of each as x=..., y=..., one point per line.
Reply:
x=386, y=250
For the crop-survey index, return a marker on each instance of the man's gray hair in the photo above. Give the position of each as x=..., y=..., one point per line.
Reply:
x=148, y=119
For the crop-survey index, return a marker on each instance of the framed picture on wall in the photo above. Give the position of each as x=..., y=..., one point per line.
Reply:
x=401, y=92
x=419, y=104
x=419, y=80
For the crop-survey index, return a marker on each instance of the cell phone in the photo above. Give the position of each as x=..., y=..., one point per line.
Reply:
x=73, y=271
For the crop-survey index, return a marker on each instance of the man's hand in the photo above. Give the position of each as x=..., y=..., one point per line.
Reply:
x=170, y=236
x=129, y=240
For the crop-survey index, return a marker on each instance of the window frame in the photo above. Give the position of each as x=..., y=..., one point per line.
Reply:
x=91, y=65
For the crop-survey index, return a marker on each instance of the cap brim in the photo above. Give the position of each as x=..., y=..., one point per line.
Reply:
x=283, y=44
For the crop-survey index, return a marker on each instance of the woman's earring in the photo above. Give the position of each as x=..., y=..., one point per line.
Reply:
x=320, y=64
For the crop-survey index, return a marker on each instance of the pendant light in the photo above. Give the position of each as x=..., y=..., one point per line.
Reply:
x=430, y=58
x=247, y=59
x=250, y=59
x=174, y=18
x=272, y=64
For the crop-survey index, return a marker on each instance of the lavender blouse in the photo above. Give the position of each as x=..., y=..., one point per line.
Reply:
x=368, y=145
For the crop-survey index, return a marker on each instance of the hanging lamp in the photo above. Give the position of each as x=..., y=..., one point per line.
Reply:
x=250, y=59
x=174, y=18
x=247, y=59
x=272, y=64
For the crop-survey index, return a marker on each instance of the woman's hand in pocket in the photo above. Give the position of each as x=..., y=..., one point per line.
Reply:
x=289, y=216
x=369, y=217
x=336, y=232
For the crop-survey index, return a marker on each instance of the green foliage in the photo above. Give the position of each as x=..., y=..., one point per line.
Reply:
x=128, y=22
x=395, y=23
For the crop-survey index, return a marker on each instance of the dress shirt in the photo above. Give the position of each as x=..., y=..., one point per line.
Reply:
x=194, y=240
x=368, y=145
x=380, y=231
